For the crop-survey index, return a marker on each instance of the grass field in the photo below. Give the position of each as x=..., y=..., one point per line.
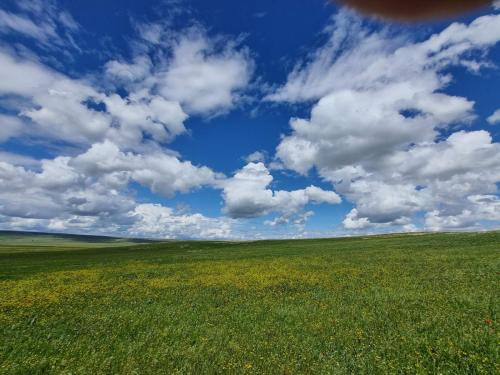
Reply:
x=31, y=242
x=367, y=305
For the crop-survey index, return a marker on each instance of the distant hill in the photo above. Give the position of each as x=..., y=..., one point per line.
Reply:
x=43, y=240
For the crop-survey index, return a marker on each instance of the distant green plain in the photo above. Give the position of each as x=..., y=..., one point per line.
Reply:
x=399, y=304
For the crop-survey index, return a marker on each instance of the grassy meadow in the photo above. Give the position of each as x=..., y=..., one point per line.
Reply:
x=32, y=242
x=396, y=304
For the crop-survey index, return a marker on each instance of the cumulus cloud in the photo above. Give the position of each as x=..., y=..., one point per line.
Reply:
x=298, y=221
x=494, y=118
x=144, y=221
x=159, y=221
x=162, y=173
x=90, y=190
x=480, y=208
x=256, y=157
x=119, y=138
x=94, y=180
x=355, y=58
x=207, y=76
x=376, y=129
x=18, y=160
x=135, y=71
x=192, y=73
x=247, y=195
x=23, y=77
x=73, y=110
x=56, y=189
x=10, y=126
x=442, y=174
x=203, y=79
x=161, y=119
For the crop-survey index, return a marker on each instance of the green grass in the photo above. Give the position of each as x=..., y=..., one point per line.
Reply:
x=368, y=305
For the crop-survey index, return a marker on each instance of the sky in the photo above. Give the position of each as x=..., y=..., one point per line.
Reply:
x=195, y=119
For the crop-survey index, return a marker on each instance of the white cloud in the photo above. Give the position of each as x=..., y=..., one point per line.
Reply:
x=89, y=193
x=247, y=195
x=12, y=22
x=139, y=69
x=347, y=127
x=377, y=94
x=143, y=220
x=357, y=59
x=426, y=177
x=159, y=118
x=352, y=221
x=18, y=160
x=119, y=138
x=162, y=173
x=10, y=126
x=61, y=108
x=441, y=175
x=158, y=221
x=256, y=157
x=23, y=77
x=495, y=117
x=375, y=132
x=57, y=189
x=61, y=113
x=94, y=182
x=203, y=76
x=298, y=220
x=206, y=75
x=482, y=208
x=42, y=21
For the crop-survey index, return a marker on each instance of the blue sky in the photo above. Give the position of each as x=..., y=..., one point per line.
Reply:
x=196, y=119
